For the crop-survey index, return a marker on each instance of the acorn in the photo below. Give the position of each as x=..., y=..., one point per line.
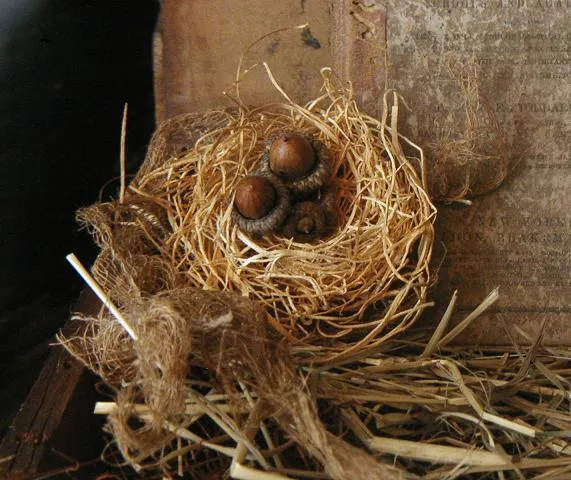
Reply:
x=306, y=225
x=307, y=222
x=291, y=156
x=255, y=197
x=261, y=203
x=300, y=161
x=313, y=219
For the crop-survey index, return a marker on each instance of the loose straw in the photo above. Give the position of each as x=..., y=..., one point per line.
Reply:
x=83, y=273
x=486, y=303
x=108, y=408
x=433, y=343
x=241, y=472
x=437, y=453
x=122, y=154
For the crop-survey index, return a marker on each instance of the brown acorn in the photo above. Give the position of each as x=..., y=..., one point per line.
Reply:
x=291, y=156
x=261, y=203
x=307, y=222
x=255, y=197
x=306, y=225
x=299, y=160
x=313, y=219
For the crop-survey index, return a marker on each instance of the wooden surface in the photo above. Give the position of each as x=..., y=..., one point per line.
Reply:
x=39, y=417
x=30, y=438
x=202, y=42
x=198, y=45
x=358, y=39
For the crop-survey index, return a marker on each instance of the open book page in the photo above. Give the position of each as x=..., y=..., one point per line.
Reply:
x=516, y=237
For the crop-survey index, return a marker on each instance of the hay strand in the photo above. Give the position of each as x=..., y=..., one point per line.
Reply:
x=437, y=453
x=122, y=154
x=481, y=308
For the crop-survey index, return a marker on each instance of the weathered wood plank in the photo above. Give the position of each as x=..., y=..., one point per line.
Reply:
x=27, y=439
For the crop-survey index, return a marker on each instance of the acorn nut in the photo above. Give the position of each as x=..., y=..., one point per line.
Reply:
x=299, y=160
x=307, y=222
x=261, y=203
x=305, y=225
x=313, y=219
x=291, y=156
x=255, y=197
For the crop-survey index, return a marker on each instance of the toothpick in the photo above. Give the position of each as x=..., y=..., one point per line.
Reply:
x=83, y=273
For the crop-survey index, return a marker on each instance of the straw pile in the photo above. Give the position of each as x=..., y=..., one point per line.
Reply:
x=265, y=358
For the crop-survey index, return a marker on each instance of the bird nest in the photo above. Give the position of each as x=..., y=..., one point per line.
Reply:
x=364, y=281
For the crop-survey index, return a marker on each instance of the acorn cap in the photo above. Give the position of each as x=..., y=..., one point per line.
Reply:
x=313, y=179
x=261, y=203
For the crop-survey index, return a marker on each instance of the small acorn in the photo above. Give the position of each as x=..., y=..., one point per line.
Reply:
x=307, y=222
x=313, y=219
x=255, y=197
x=300, y=161
x=291, y=156
x=261, y=203
x=306, y=225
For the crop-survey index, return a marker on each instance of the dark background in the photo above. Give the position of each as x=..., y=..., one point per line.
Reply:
x=66, y=69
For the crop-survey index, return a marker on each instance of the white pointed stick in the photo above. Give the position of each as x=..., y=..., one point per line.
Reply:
x=71, y=258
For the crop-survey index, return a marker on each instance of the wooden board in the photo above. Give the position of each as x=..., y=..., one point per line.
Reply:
x=198, y=45
x=201, y=43
x=31, y=440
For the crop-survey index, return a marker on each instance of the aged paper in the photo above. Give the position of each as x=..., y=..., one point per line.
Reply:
x=517, y=237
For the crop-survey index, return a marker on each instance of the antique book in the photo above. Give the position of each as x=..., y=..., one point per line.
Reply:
x=517, y=236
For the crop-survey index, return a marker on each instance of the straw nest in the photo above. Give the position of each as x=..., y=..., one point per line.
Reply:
x=366, y=280
x=317, y=374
